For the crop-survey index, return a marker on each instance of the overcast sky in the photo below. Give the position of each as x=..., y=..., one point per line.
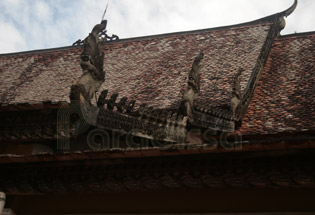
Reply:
x=40, y=24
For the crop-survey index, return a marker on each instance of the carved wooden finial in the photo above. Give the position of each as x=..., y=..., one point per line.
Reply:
x=286, y=13
x=91, y=57
x=92, y=60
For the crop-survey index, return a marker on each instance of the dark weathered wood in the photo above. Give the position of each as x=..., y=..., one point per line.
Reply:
x=193, y=172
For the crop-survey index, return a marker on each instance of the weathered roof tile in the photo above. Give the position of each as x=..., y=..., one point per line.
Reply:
x=153, y=70
x=284, y=99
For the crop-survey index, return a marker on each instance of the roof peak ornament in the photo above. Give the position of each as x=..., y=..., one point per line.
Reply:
x=102, y=34
x=290, y=10
x=105, y=11
x=286, y=13
x=92, y=60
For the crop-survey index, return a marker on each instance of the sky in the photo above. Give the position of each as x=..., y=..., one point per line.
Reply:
x=41, y=24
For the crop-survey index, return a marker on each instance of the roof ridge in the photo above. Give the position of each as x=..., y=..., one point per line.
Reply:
x=263, y=20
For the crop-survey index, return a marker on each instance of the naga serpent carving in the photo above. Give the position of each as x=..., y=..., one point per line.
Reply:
x=193, y=87
x=121, y=115
x=92, y=66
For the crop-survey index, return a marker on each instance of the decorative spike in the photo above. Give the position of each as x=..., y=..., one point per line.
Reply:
x=121, y=106
x=102, y=98
x=111, y=102
x=130, y=106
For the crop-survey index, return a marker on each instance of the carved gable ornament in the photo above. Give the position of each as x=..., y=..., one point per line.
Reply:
x=214, y=98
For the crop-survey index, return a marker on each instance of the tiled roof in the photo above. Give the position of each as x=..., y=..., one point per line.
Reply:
x=155, y=71
x=284, y=99
x=37, y=77
x=152, y=70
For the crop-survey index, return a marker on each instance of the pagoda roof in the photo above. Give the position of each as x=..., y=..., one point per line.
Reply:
x=150, y=69
x=272, y=126
x=153, y=70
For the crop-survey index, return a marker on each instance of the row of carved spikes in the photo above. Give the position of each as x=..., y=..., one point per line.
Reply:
x=123, y=106
x=145, y=112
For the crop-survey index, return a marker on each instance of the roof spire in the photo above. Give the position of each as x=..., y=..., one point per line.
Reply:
x=105, y=11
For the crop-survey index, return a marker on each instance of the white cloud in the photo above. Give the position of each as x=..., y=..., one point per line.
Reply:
x=11, y=39
x=42, y=12
x=38, y=24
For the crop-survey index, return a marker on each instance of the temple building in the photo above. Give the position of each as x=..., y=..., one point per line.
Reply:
x=216, y=121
